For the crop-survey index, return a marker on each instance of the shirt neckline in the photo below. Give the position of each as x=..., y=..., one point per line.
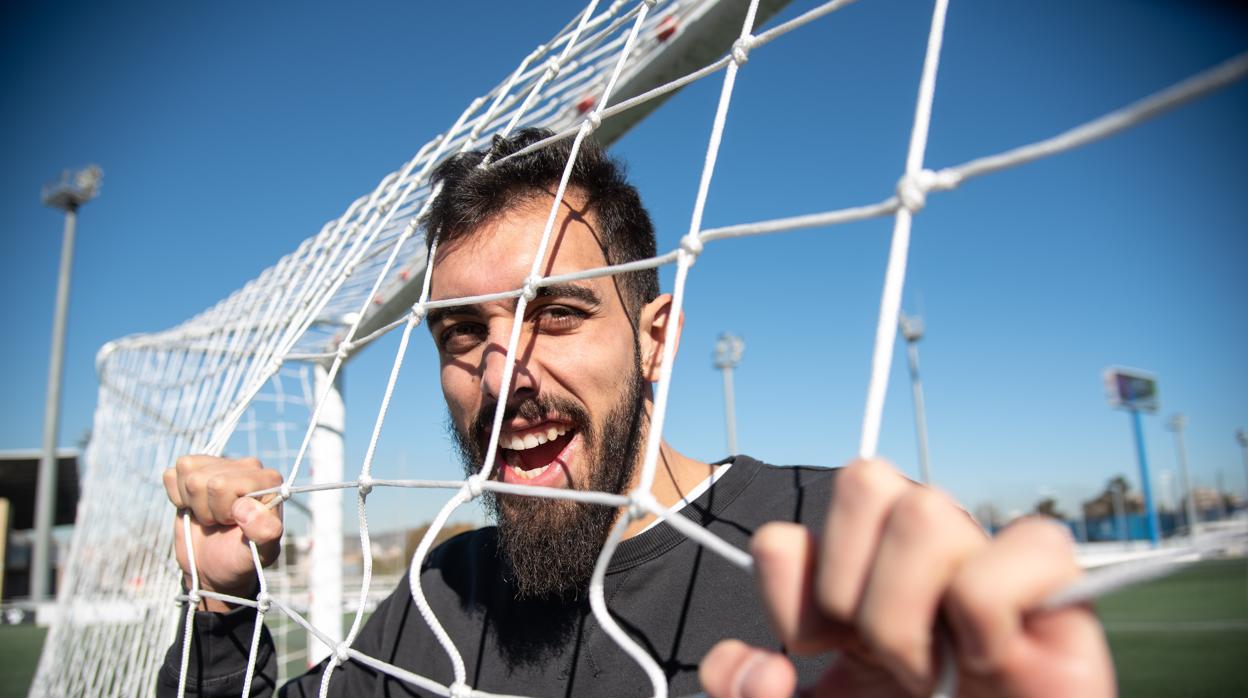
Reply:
x=660, y=538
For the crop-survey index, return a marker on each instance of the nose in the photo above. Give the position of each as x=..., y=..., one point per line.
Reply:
x=525, y=381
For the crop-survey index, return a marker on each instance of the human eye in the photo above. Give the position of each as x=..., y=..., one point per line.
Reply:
x=459, y=337
x=559, y=318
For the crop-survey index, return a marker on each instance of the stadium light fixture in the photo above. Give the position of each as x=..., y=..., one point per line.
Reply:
x=728, y=351
x=73, y=188
x=67, y=193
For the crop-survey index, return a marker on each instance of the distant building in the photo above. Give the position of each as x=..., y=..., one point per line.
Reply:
x=19, y=475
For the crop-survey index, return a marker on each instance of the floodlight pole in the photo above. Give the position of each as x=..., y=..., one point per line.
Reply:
x=67, y=194
x=1176, y=424
x=1242, y=439
x=912, y=329
x=728, y=350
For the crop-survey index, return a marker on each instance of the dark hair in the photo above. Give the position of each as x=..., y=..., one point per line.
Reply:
x=471, y=196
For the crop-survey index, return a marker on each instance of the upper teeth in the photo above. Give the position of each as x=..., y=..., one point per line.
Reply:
x=533, y=440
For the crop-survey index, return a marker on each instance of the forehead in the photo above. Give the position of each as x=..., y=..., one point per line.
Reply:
x=498, y=255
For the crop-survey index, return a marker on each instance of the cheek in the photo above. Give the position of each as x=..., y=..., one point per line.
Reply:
x=460, y=391
x=591, y=372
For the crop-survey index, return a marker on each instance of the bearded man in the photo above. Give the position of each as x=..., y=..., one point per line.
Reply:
x=855, y=611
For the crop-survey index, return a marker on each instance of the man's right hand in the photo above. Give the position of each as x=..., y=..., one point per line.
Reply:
x=223, y=521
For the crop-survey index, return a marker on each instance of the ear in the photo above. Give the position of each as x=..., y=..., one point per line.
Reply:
x=652, y=328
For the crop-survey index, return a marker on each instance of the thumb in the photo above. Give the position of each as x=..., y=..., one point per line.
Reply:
x=733, y=669
x=258, y=522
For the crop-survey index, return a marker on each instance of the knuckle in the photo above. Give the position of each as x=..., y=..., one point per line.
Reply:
x=864, y=479
x=250, y=462
x=216, y=486
x=919, y=512
x=1047, y=536
x=194, y=483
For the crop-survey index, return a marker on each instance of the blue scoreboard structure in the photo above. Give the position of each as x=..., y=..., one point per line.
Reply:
x=1136, y=392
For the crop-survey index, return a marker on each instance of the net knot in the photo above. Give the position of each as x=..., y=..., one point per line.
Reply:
x=741, y=49
x=263, y=602
x=283, y=492
x=529, y=289
x=691, y=244
x=459, y=690
x=474, y=485
x=194, y=598
x=594, y=119
x=640, y=504
x=650, y=3
x=340, y=654
x=912, y=189
x=552, y=68
x=275, y=364
x=365, y=484
x=344, y=350
x=418, y=313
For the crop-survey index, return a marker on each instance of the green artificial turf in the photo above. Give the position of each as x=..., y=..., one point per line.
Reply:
x=19, y=654
x=1185, y=635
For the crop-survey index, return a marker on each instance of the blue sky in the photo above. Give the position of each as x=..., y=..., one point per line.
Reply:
x=229, y=133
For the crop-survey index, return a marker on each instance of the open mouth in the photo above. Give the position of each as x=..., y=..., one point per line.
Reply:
x=532, y=453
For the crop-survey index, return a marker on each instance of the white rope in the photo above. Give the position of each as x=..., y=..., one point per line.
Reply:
x=895, y=274
x=189, y=389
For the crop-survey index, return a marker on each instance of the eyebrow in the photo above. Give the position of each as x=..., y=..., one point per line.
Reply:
x=563, y=290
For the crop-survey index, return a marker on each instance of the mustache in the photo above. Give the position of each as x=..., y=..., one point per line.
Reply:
x=531, y=409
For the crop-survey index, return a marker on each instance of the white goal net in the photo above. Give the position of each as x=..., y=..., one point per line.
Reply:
x=255, y=373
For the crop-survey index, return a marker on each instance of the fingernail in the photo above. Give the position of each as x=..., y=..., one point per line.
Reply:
x=743, y=673
x=244, y=510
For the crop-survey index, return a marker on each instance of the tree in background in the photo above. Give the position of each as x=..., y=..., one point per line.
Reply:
x=1048, y=507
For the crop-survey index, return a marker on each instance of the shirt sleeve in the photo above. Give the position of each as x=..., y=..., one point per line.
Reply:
x=220, y=643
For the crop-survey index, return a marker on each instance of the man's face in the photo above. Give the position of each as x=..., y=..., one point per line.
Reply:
x=575, y=416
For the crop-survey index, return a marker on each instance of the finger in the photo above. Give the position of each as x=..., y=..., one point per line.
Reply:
x=989, y=597
x=170, y=479
x=1070, y=647
x=226, y=483
x=259, y=523
x=863, y=495
x=784, y=563
x=733, y=669
x=209, y=485
x=926, y=539
x=187, y=468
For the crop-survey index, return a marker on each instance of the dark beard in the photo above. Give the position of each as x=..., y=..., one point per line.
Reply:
x=550, y=546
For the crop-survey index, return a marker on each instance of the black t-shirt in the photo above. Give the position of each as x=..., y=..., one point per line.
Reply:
x=674, y=597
